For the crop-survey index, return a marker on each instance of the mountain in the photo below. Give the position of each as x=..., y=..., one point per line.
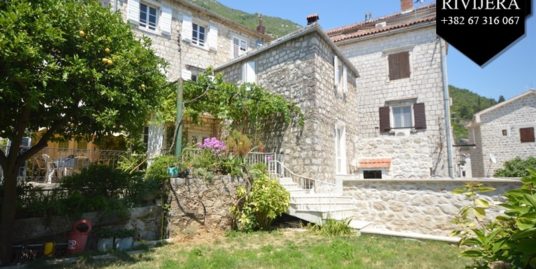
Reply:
x=275, y=26
x=465, y=104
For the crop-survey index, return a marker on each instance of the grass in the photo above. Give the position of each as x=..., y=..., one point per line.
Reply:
x=291, y=249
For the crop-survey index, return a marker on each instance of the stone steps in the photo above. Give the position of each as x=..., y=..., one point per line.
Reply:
x=318, y=207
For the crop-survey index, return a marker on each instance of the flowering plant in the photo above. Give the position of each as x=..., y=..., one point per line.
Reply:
x=213, y=144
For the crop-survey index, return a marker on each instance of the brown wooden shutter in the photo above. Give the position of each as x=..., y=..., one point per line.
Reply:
x=399, y=65
x=385, y=119
x=527, y=135
x=419, y=113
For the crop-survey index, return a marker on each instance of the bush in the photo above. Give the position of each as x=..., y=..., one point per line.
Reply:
x=158, y=169
x=517, y=167
x=258, y=208
x=510, y=239
x=334, y=228
x=96, y=188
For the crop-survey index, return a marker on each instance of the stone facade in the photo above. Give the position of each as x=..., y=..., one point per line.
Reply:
x=496, y=131
x=427, y=152
x=417, y=206
x=300, y=67
x=198, y=203
x=186, y=59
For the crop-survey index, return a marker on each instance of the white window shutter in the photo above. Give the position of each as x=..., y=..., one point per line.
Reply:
x=186, y=74
x=336, y=73
x=133, y=11
x=244, y=72
x=251, y=76
x=345, y=79
x=165, y=20
x=186, y=28
x=212, y=37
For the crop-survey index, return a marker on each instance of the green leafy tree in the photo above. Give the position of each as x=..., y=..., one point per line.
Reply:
x=517, y=167
x=75, y=69
x=509, y=240
x=501, y=99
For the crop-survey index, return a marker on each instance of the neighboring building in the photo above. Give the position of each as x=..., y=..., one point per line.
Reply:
x=191, y=39
x=403, y=125
x=308, y=69
x=503, y=132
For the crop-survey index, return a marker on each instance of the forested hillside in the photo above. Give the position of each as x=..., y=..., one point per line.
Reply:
x=275, y=26
x=465, y=104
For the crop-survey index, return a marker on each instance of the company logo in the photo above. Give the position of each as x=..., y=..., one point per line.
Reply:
x=481, y=29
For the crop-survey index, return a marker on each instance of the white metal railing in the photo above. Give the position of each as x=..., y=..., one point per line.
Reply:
x=51, y=164
x=278, y=169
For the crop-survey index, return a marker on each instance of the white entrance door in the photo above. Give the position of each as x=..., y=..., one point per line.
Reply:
x=340, y=149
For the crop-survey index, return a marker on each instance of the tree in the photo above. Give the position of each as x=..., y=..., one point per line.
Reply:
x=501, y=99
x=72, y=68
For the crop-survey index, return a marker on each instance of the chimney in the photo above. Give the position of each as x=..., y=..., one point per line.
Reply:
x=406, y=6
x=260, y=28
x=313, y=18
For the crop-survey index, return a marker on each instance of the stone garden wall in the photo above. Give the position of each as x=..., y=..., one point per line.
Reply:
x=146, y=221
x=416, y=206
x=201, y=204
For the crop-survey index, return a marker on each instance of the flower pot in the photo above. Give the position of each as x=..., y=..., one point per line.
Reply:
x=105, y=244
x=124, y=243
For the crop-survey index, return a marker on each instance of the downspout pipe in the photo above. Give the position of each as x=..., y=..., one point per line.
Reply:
x=446, y=103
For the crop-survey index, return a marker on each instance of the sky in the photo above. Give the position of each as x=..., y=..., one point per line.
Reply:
x=510, y=74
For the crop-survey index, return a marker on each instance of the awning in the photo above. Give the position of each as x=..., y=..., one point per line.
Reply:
x=375, y=163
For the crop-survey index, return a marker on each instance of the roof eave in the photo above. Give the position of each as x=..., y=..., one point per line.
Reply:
x=413, y=27
x=282, y=40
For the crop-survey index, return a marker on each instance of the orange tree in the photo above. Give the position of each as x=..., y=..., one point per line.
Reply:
x=73, y=68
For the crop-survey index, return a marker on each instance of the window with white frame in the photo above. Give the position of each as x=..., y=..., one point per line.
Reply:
x=198, y=35
x=248, y=73
x=240, y=46
x=341, y=76
x=402, y=117
x=148, y=17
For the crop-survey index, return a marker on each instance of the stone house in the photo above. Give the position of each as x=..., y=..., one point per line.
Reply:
x=191, y=39
x=402, y=102
x=307, y=68
x=503, y=132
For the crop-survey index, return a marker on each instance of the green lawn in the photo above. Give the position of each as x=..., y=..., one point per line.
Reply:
x=291, y=249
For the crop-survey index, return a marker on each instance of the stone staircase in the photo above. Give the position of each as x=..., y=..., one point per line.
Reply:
x=318, y=207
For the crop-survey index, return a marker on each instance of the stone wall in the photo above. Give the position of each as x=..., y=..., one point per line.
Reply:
x=416, y=206
x=201, y=204
x=145, y=220
x=489, y=137
x=302, y=70
x=375, y=90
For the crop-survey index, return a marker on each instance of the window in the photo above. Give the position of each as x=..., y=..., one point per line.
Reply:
x=148, y=17
x=504, y=132
x=240, y=46
x=402, y=114
x=399, y=65
x=198, y=35
x=402, y=117
x=526, y=135
x=248, y=73
x=340, y=149
x=340, y=76
x=372, y=174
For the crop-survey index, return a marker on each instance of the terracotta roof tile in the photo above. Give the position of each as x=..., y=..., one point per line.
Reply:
x=375, y=163
x=397, y=21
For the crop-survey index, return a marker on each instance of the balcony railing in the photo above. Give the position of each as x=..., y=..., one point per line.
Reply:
x=51, y=164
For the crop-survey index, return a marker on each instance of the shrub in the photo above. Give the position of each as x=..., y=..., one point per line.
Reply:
x=158, y=170
x=517, y=167
x=333, y=227
x=238, y=143
x=258, y=208
x=510, y=239
x=96, y=188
